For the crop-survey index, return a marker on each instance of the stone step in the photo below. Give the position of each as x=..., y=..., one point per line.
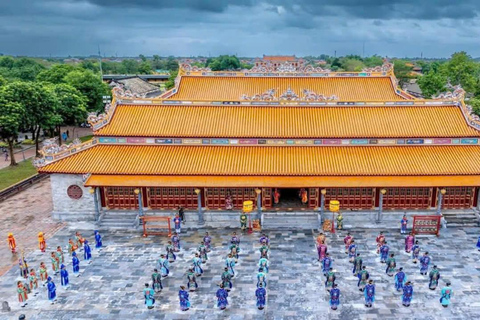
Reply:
x=468, y=224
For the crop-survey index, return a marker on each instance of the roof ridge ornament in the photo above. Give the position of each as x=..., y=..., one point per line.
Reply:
x=285, y=67
x=187, y=67
x=387, y=66
x=289, y=95
x=457, y=93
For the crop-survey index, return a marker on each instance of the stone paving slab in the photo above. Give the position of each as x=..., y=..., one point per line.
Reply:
x=111, y=287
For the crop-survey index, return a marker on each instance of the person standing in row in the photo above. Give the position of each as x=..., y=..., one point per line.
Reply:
x=334, y=297
x=156, y=281
x=163, y=265
x=202, y=251
x=55, y=262
x=60, y=256
x=170, y=252
x=222, y=296
x=98, y=240
x=176, y=242
x=330, y=279
x=369, y=294
x=447, y=293
x=178, y=223
x=75, y=264
x=263, y=264
x=326, y=264
x=184, y=300
x=197, y=262
x=347, y=241
x=63, y=276
x=363, y=277
x=227, y=279
x=409, y=242
x=43, y=273
x=181, y=213
x=407, y=294
x=380, y=240
x=230, y=264
x=415, y=251
x=261, y=294
x=192, y=284
x=22, y=294
x=384, y=252
x=52, y=290
x=261, y=278
x=352, y=251
x=391, y=264
x=148, y=294
x=403, y=224
x=322, y=251
x=87, y=252
x=33, y=281
x=357, y=265
x=207, y=240
x=424, y=263
x=434, y=276
x=400, y=279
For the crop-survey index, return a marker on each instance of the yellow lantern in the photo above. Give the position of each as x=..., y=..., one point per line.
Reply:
x=334, y=205
x=247, y=206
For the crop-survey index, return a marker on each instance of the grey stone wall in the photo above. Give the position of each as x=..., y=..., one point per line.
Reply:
x=66, y=208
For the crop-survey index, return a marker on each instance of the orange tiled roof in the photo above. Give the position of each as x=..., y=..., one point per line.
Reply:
x=272, y=161
x=288, y=122
x=232, y=88
x=280, y=181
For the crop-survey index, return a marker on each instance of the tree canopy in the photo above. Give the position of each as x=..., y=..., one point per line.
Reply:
x=90, y=85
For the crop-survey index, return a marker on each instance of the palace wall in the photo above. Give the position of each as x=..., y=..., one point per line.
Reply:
x=74, y=205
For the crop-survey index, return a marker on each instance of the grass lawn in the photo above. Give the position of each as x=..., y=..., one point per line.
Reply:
x=86, y=138
x=12, y=175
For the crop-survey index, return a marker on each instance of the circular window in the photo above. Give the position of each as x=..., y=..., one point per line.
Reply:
x=74, y=192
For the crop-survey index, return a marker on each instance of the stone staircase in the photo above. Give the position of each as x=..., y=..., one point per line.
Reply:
x=118, y=220
x=461, y=218
x=290, y=220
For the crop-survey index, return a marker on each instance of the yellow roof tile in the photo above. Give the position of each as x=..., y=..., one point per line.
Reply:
x=232, y=88
x=273, y=161
x=288, y=122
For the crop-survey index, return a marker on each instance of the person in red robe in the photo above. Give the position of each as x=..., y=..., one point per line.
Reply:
x=304, y=196
x=409, y=242
x=276, y=197
x=347, y=241
x=380, y=241
x=322, y=251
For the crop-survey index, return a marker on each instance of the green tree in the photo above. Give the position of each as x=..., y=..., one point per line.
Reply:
x=432, y=84
x=373, y=61
x=71, y=107
x=90, y=85
x=145, y=68
x=2, y=81
x=403, y=72
x=90, y=65
x=461, y=69
x=131, y=66
x=475, y=103
x=351, y=64
x=157, y=62
x=39, y=104
x=171, y=80
x=56, y=74
x=171, y=64
x=224, y=62
x=11, y=115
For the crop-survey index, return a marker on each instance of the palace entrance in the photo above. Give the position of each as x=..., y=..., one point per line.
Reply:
x=290, y=198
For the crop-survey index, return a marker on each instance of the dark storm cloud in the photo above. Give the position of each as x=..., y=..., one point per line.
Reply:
x=244, y=27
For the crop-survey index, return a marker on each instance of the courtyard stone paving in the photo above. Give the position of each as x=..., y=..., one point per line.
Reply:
x=111, y=287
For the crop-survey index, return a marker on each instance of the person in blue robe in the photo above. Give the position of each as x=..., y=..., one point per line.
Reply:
x=222, y=296
x=400, y=279
x=230, y=264
x=326, y=264
x=434, y=276
x=176, y=242
x=352, y=251
x=183, y=297
x=87, y=252
x=334, y=297
x=369, y=292
x=208, y=241
x=98, y=240
x=63, y=275
x=192, y=284
x=403, y=224
x=75, y=264
x=156, y=281
x=357, y=264
x=478, y=243
x=148, y=294
x=170, y=252
x=415, y=251
x=163, y=265
x=261, y=294
x=197, y=262
x=407, y=294
x=227, y=279
x=261, y=278
x=424, y=263
x=447, y=293
x=236, y=241
x=177, y=221
x=52, y=290
x=384, y=252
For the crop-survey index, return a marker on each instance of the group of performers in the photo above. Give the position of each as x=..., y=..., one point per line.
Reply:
x=30, y=282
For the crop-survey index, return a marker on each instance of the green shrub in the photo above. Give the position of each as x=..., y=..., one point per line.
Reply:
x=29, y=142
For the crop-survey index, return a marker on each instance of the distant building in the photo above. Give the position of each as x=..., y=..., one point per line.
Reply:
x=277, y=61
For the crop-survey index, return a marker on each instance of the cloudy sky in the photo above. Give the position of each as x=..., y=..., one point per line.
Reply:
x=243, y=27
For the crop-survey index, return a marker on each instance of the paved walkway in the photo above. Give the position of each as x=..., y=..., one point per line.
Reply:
x=26, y=214
x=110, y=287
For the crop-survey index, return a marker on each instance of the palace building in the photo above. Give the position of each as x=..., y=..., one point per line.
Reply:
x=285, y=130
